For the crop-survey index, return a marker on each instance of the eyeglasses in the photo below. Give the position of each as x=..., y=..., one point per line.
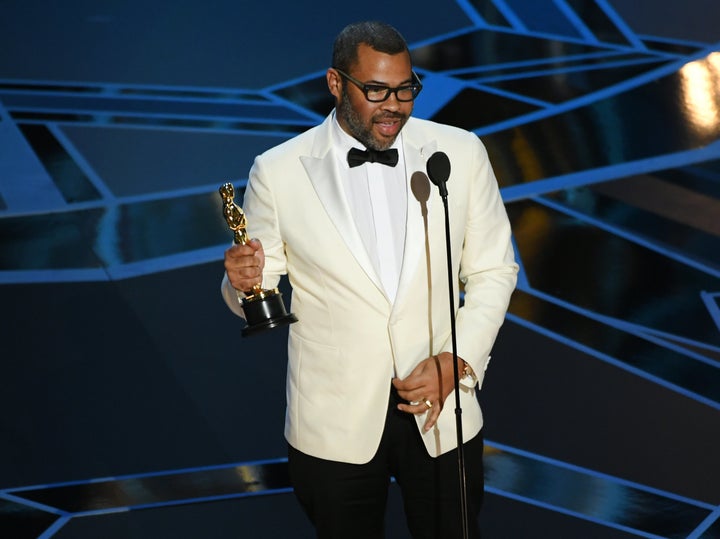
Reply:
x=376, y=93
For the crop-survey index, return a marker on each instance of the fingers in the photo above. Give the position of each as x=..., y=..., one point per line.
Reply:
x=422, y=383
x=425, y=405
x=252, y=247
x=425, y=389
x=244, y=265
x=432, y=416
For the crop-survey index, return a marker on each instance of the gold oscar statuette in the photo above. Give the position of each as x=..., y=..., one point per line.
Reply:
x=264, y=309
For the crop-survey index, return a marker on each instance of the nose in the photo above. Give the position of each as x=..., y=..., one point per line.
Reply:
x=391, y=103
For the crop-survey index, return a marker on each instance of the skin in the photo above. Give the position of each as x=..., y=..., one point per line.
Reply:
x=376, y=125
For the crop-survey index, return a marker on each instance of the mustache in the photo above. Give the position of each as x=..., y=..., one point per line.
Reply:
x=390, y=116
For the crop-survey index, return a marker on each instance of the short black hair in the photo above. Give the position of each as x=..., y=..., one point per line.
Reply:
x=380, y=36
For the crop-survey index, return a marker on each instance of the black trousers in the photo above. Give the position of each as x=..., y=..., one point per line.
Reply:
x=346, y=501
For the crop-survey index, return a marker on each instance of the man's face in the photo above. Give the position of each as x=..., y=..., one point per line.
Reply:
x=376, y=125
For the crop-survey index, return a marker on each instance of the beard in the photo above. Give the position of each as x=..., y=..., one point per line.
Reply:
x=362, y=132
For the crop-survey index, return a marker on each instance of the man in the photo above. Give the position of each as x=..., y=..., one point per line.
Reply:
x=370, y=386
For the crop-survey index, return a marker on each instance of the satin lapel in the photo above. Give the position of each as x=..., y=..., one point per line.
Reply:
x=416, y=157
x=321, y=170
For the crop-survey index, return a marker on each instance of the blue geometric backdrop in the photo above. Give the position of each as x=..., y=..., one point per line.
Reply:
x=132, y=406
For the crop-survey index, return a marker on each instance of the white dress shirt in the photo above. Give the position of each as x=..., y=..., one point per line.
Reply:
x=377, y=195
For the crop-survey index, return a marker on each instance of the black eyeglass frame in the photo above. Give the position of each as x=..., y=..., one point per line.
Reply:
x=414, y=87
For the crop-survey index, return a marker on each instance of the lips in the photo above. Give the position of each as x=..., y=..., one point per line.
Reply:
x=389, y=127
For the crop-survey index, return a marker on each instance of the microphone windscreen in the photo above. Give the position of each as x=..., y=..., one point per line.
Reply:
x=438, y=168
x=420, y=187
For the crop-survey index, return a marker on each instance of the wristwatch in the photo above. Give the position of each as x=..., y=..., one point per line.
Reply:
x=467, y=376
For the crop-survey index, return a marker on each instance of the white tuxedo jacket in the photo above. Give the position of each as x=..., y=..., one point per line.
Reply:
x=350, y=340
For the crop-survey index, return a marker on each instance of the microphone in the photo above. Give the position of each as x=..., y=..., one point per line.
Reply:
x=420, y=187
x=438, y=169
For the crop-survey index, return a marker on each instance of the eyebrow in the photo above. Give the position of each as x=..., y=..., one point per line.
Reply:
x=406, y=82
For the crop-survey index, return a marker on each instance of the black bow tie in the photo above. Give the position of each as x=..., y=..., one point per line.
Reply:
x=386, y=157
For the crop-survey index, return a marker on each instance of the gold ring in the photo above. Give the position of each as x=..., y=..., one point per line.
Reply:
x=427, y=403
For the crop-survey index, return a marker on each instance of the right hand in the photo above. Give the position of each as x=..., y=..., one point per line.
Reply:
x=244, y=265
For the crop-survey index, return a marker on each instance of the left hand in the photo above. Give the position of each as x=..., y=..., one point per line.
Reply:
x=430, y=382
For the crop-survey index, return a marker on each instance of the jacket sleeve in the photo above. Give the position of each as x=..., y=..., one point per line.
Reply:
x=262, y=223
x=487, y=265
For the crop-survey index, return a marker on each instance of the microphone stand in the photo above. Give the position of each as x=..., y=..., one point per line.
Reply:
x=438, y=169
x=456, y=373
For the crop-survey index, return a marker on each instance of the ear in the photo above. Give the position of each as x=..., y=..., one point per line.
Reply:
x=334, y=82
